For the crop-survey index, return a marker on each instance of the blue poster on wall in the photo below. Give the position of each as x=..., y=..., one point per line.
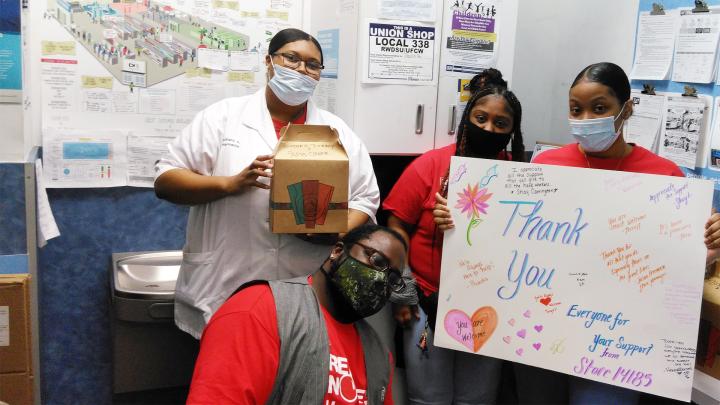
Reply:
x=10, y=52
x=330, y=42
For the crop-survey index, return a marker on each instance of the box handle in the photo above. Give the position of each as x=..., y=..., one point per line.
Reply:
x=419, y=118
x=451, y=120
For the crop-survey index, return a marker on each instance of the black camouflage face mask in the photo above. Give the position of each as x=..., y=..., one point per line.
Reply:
x=363, y=289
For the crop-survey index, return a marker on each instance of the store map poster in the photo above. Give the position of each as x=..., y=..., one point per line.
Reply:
x=10, y=52
x=600, y=279
x=145, y=68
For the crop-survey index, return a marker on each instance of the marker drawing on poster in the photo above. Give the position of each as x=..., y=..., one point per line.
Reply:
x=544, y=270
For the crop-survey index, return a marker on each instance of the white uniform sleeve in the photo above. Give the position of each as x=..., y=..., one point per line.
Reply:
x=364, y=191
x=197, y=145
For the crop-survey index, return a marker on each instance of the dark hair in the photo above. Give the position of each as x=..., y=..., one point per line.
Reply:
x=365, y=231
x=488, y=77
x=291, y=35
x=608, y=74
x=518, y=147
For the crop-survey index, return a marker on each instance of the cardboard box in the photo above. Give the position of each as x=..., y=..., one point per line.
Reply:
x=309, y=188
x=15, y=324
x=16, y=388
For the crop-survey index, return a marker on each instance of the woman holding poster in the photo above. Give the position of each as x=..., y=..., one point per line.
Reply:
x=599, y=103
x=491, y=121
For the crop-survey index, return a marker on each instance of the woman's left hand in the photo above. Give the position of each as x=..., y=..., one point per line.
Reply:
x=441, y=214
x=712, y=237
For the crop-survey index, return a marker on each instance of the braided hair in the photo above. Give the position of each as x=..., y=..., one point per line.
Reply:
x=518, y=147
x=488, y=77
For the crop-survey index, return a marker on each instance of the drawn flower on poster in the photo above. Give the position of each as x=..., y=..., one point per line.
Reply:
x=472, y=202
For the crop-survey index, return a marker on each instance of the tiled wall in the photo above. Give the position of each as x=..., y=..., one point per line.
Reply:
x=75, y=339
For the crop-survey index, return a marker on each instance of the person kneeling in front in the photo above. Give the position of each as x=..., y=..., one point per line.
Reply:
x=304, y=340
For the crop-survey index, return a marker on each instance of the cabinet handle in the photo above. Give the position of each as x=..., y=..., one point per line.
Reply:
x=451, y=120
x=419, y=118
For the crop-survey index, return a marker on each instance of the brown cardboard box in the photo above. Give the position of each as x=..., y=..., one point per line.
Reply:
x=15, y=324
x=309, y=188
x=16, y=388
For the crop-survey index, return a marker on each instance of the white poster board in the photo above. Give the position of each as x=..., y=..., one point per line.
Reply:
x=600, y=278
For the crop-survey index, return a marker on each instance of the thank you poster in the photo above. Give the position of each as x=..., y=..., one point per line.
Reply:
x=596, y=274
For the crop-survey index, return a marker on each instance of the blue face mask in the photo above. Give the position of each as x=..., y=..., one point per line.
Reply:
x=595, y=134
x=291, y=87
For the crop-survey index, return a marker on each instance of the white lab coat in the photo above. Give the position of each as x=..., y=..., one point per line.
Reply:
x=228, y=241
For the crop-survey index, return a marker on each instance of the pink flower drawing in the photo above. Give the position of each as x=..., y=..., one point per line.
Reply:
x=472, y=202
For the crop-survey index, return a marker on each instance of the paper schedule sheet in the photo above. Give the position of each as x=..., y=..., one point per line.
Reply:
x=643, y=126
x=696, y=48
x=654, y=48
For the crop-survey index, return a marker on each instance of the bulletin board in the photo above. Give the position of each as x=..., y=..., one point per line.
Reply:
x=119, y=80
x=704, y=168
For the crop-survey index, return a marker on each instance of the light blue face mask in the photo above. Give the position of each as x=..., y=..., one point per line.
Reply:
x=291, y=87
x=595, y=134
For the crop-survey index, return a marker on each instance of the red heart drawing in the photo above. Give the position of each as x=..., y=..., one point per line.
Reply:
x=545, y=301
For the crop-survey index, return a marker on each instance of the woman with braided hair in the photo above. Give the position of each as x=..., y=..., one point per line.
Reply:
x=490, y=122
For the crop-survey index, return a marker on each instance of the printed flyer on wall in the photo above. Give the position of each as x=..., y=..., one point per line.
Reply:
x=399, y=53
x=568, y=276
x=471, y=44
x=10, y=52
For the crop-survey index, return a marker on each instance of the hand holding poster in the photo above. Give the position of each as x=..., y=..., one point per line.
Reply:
x=600, y=278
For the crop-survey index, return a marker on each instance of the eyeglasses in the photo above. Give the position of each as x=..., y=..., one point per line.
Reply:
x=380, y=262
x=293, y=61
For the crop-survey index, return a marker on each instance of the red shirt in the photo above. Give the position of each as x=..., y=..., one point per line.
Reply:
x=240, y=351
x=640, y=160
x=411, y=200
x=280, y=124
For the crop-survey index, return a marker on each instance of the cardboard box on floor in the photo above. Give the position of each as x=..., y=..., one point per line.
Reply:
x=15, y=324
x=309, y=188
x=16, y=388
x=16, y=374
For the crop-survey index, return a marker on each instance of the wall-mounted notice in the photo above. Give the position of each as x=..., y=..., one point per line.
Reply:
x=147, y=67
x=684, y=131
x=416, y=10
x=84, y=159
x=562, y=274
x=330, y=42
x=399, y=53
x=10, y=53
x=471, y=44
x=654, y=47
x=696, y=48
x=644, y=125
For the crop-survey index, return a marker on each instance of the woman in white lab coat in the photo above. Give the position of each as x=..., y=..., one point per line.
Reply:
x=221, y=166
